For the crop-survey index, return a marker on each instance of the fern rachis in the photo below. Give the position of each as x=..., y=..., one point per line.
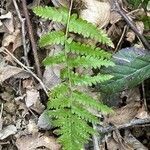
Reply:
x=66, y=103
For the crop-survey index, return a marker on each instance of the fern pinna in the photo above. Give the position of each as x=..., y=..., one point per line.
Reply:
x=67, y=105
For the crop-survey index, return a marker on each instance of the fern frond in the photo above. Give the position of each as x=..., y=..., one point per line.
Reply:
x=89, y=61
x=52, y=13
x=56, y=59
x=51, y=38
x=88, y=30
x=84, y=114
x=73, y=132
x=87, y=100
x=77, y=79
x=58, y=90
x=85, y=49
x=59, y=103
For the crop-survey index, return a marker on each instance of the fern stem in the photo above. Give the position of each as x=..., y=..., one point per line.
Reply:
x=65, y=52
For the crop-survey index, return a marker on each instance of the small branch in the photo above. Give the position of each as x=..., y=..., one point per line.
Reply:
x=27, y=69
x=31, y=36
x=117, y=8
x=135, y=122
x=22, y=21
x=95, y=140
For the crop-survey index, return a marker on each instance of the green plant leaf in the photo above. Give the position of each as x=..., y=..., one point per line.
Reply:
x=132, y=67
x=51, y=38
x=52, y=13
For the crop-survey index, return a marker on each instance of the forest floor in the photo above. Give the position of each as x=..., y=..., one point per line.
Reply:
x=24, y=80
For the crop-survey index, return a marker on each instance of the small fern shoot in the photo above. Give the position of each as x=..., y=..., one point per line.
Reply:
x=67, y=105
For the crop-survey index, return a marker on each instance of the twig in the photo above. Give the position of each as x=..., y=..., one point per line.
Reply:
x=133, y=123
x=95, y=140
x=31, y=36
x=123, y=34
x=117, y=8
x=144, y=96
x=27, y=69
x=22, y=21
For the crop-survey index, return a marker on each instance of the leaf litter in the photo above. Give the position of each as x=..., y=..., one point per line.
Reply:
x=24, y=122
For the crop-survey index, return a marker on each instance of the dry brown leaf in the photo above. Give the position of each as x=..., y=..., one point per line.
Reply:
x=44, y=121
x=132, y=141
x=51, y=76
x=13, y=39
x=125, y=114
x=96, y=12
x=130, y=36
x=32, y=127
x=142, y=113
x=58, y=3
x=114, y=17
x=33, y=100
x=7, y=131
x=31, y=142
x=7, y=23
x=8, y=71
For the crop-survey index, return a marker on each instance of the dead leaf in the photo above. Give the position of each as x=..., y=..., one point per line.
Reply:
x=51, y=76
x=130, y=36
x=14, y=39
x=33, y=100
x=44, y=121
x=132, y=141
x=142, y=113
x=114, y=17
x=96, y=12
x=7, y=22
x=124, y=115
x=8, y=71
x=31, y=142
x=7, y=131
x=32, y=127
x=31, y=97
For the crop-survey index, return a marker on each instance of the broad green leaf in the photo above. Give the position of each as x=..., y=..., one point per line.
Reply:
x=132, y=67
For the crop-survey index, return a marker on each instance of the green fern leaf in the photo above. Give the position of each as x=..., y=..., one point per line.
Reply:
x=51, y=38
x=77, y=79
x=80, y=26
x=89, y=61
x=56, y=59
x=84, y=114
x=52, y=13
x=84, y=49
x=88, y=101
x=73, y=132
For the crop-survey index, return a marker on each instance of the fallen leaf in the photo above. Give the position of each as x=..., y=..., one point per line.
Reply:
x=96, y=12
x=7, y=131
x=13, y=38
x=31, y=142
x=44, y=121
x=132, y=141
x=7, y=22
x=7, y=71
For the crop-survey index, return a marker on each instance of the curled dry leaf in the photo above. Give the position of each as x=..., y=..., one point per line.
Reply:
x=32, y=142
x=96, y=12
x=7, y=131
